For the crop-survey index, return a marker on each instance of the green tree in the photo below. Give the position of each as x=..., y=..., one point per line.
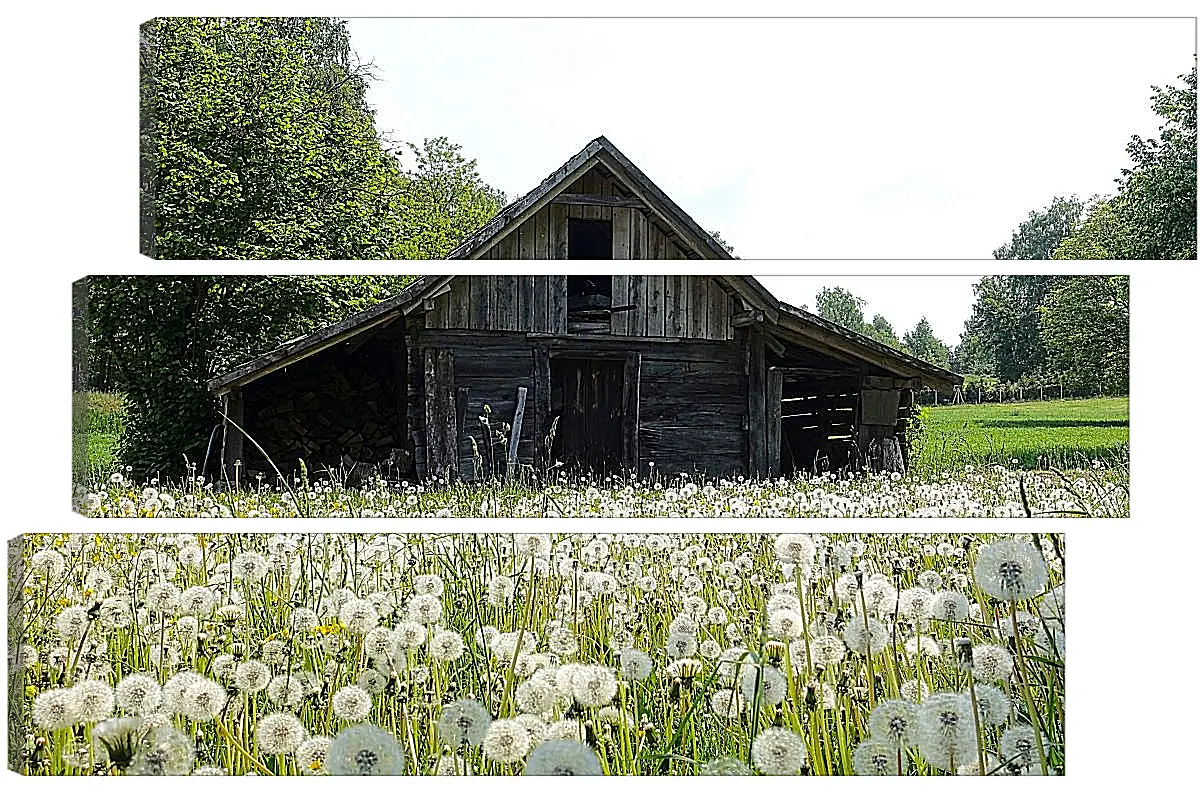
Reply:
x=257, y=142
x=1085, y=327
x=444, y=200
x=1003, y=329
x=923, y=344
x=1153, y=214
x=882, y=331
x=971, y=356
x=1105, y=233
x=162, y=338
x=1159, y=192
x=1041, y=234
x=841, y=307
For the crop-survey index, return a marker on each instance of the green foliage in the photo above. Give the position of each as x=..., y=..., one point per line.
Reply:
x=881, y=330
x=1002, y=337
x=444, y=200
x=841, y=307
x=1041, y=234
x=717, y=235
x=1105, y=233
x=1153, y=215
x=921, y=342
x=1063, y=434
x=1047, y=329
x=1085, y=327
x=164, y=337
x=257, y=142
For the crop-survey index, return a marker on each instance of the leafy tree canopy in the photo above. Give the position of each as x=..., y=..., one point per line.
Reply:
x=1041, y=234
x=841, y=307
x=921, y=342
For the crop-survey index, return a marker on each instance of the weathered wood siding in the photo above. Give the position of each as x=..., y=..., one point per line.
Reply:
x=637, y=234
x=488, y=370
x=527, y=303
x=693, y=409
x=671, y=306
x=692, y=398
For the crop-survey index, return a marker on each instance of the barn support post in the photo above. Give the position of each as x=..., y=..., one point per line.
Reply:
x=541, y=410
x=231, y=438
x=774, y=420
x=631, y=412
x=462, y=397
x=757, y=399
x=514, y=439
x=441, y=423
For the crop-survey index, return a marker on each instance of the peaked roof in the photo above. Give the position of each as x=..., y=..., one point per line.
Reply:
x=779, y=318
x=598, y=151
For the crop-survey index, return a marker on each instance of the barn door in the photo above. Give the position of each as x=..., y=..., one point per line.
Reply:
x=589, y=398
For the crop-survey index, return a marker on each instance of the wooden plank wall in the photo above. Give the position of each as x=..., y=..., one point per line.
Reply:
x=690, y=413
x=490, y=367
x=529, y=303
x=674, y=306
x=693, y=402
x=636, y=234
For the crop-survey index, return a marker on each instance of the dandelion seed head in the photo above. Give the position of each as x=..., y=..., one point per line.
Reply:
x=364, y=749
x=279, y=733
x=778, y=751
x=563, y=757
x=464, y=722
x=506, y=741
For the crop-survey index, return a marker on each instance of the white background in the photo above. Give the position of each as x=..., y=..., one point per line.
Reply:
x=71, y=209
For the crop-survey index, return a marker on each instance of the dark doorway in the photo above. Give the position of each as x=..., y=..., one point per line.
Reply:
x=590, y=239
x=587, y=397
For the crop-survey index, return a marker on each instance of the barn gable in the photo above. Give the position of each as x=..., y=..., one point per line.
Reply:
x=596, y=206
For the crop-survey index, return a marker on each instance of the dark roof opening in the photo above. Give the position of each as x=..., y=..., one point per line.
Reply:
x=589, y=239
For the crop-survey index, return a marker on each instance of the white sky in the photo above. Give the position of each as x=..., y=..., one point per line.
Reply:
x=795, y=138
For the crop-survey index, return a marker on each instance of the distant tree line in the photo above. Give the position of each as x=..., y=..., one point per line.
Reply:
x=1025, y=331
x=1152, y=215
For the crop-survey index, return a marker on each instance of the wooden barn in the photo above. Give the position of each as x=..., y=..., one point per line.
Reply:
x=710, y=375
x=597, y=206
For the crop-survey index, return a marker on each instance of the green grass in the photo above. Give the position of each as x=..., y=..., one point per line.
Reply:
x=1059, y=433
x=98, y=423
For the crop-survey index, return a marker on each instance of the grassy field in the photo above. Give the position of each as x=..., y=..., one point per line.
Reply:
x=98, y=424
x=1060, y=433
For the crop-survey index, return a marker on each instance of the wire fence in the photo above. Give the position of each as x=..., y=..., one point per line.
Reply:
x=980, y=392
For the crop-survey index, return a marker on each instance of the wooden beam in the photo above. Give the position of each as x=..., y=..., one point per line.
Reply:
x=597, y=200
x=514, y=439
x=631, y=412
x=232, y=443
x=541, y=408
x=774, y=420
x=743, y=318
x=441, y=423
x=757, y=403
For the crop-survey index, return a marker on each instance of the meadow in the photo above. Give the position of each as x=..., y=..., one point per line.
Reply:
x=1034, y=435
x=502, y=654
x=1011, y=460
